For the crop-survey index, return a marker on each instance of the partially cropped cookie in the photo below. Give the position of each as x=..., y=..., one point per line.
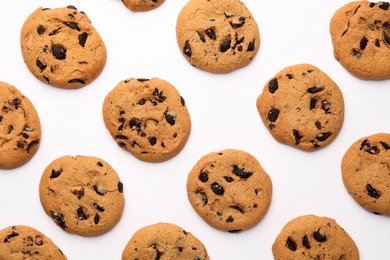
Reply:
x=142, y=5
x=24, y=242
x=302, y=107
x=20, y=128
x=62, y=48
x=217, y=35
x=148, y=118
x=82, y=194
x=229, y=190
x=313, y=237
x=365, y=172
x=360, y=33
x=164, y=241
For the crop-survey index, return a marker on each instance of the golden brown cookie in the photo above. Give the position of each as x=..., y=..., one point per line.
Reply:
x=365, y=172
x=20, y=128
x=217, y=35
x=148, y=118
x=360, y=33
x=24, y=242
x=142, y=5
x=62, y=48
x=82, y=194
x=312, y=237
x=302, y=107
x=229, y=190
x=164, y=241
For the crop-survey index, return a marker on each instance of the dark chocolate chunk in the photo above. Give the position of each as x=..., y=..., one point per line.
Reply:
x=96, y=219
x=385, y=145
x=290, y=244
x=372, y=4
x=41, y=29
x=122, y=137
x=79, y=193
x=99, y=191
x=313, y=102
x=31, y=145
x=76, y=81
x=40, y=65
x=83, y=39
x=59, y=52
x=72, y=25
x=8, y=237
x=203, y=177
x=142, y=80
x=19, y=145
x=80, y=214
x=55, y=174
x=228, y=178
x=187, y=49
x=158, y=253
x=306, y=242
x=323, y=136
x=120, y=187
x=217, y=189
x=210, y=32
x=10, y=129
x=230, y=219
x=273, y=114
x=59, y=219
x=71, y=7
x=363, y=43
x=201, y=36
x=356, y=53
x=183, y=102
x=202, y=196
x=56, y=31
x=239, y=23
x=251, y=45
x=319, y=237
x=372, y=192
x=326, y=105
x=386, y=37
x=234, y=230
x=98, y=207
x=273, y=85
x=297, y=137
x=318, y=125
x=238, y=208
x=100, y=164
x=135, y=123
x=315, y=89
x=170, y=119
x=384, y=5
x=225, y=45
x=240, y=172
x=152, y=140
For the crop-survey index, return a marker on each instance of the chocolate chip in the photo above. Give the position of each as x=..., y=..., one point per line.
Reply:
x=210, y=32
x=225, y=45
x=80, y=214
x=59, y=52
x=187, y=49
x=217, y=189
x=46, y=78
x=170, y=119
x=297, y=137
x=238, y=208
x=135, y=123
x=289, y=76
x=273, y=85
x=55, y=174
x=96, y=219
x=72, y=25
x=372, y=4
x=71, y=7
x=1, y=118
x=8, y=237
x=290, y=244
x=319, y=237
x=79, y=193
x=323, y=136
x=56, y=31
x=122, y=137
x=202, y=196
x=31, y=145
x=41, y=29
x=385, y=145
x=234, y=230
x=98, y=207
x=318, y=125
x=384, y=5
x=76, y=81
x=386, y=37
x=100, y=191
x=120, y=187
x=363, y=43
x=142, y=80
x=240, y=172
x=40, y=65
x=203, y=177
x=201, y=36
x=159, y=94
x=239, y=23
x=326, y=105
x=10, y=129
x=368, y=148
x=152, y=140
x=158, y=253
x=313, y=102
x=372, y=192
x=25, y=136
x=230, y=219
x=228, y=178
x=59, y=219
x=183, y=102
x=356, y=53
x=251, y=45
x=306, y=242
x=377, y=43
x=315, y=89
x=83, y=39
x=273, y=114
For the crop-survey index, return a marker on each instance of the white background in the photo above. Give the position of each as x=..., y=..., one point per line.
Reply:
x=224, y=115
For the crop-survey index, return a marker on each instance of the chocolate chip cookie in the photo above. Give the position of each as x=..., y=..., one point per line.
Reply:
x=164, y=241
x=229, y=190
x=313, y=237
x=360, y=33
x=62, y=48
x=24, y=242
x=142, y=5
x=217, y=35
x=365, y=171
x=20, y=128
x=148, y=118
x=302, y=107
x=82, y=194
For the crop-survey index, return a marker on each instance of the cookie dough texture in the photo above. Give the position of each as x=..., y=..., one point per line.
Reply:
x=229, y=190
x=142, y=5
x=62, y=48
x=365, y=172
x=148, y=118
x=24, y=242
x=313, y=237
x=218, y=36
x=302, y=107
x=360, y=32
x=82, y=194
x=20, y=128
x=164, y=241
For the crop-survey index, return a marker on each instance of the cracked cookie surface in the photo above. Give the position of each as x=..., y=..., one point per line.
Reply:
x=142, y=5
x=148, y=118
x=164, y=241
x=365, y=171
x=313, y=237
x=217, y=35
x=360, y=33
x=82, y=194
x=62, y=48
x=229, y=190
x=302, y=107
x=20, y=128
x=24, y=242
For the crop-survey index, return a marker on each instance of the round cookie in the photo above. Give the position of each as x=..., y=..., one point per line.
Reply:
x=24, y=242
x=302, y=107
x=20, y=128
x=313, y=237
x=62, y=48
x=142, y=5
x=229, y=190
x=218, y=36
x=148, y=118
x=360, y=34
x=365, y=172
x=82, y=194
x=164, y=241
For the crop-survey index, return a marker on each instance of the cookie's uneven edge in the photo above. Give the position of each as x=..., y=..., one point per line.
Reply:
x=142, y=5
